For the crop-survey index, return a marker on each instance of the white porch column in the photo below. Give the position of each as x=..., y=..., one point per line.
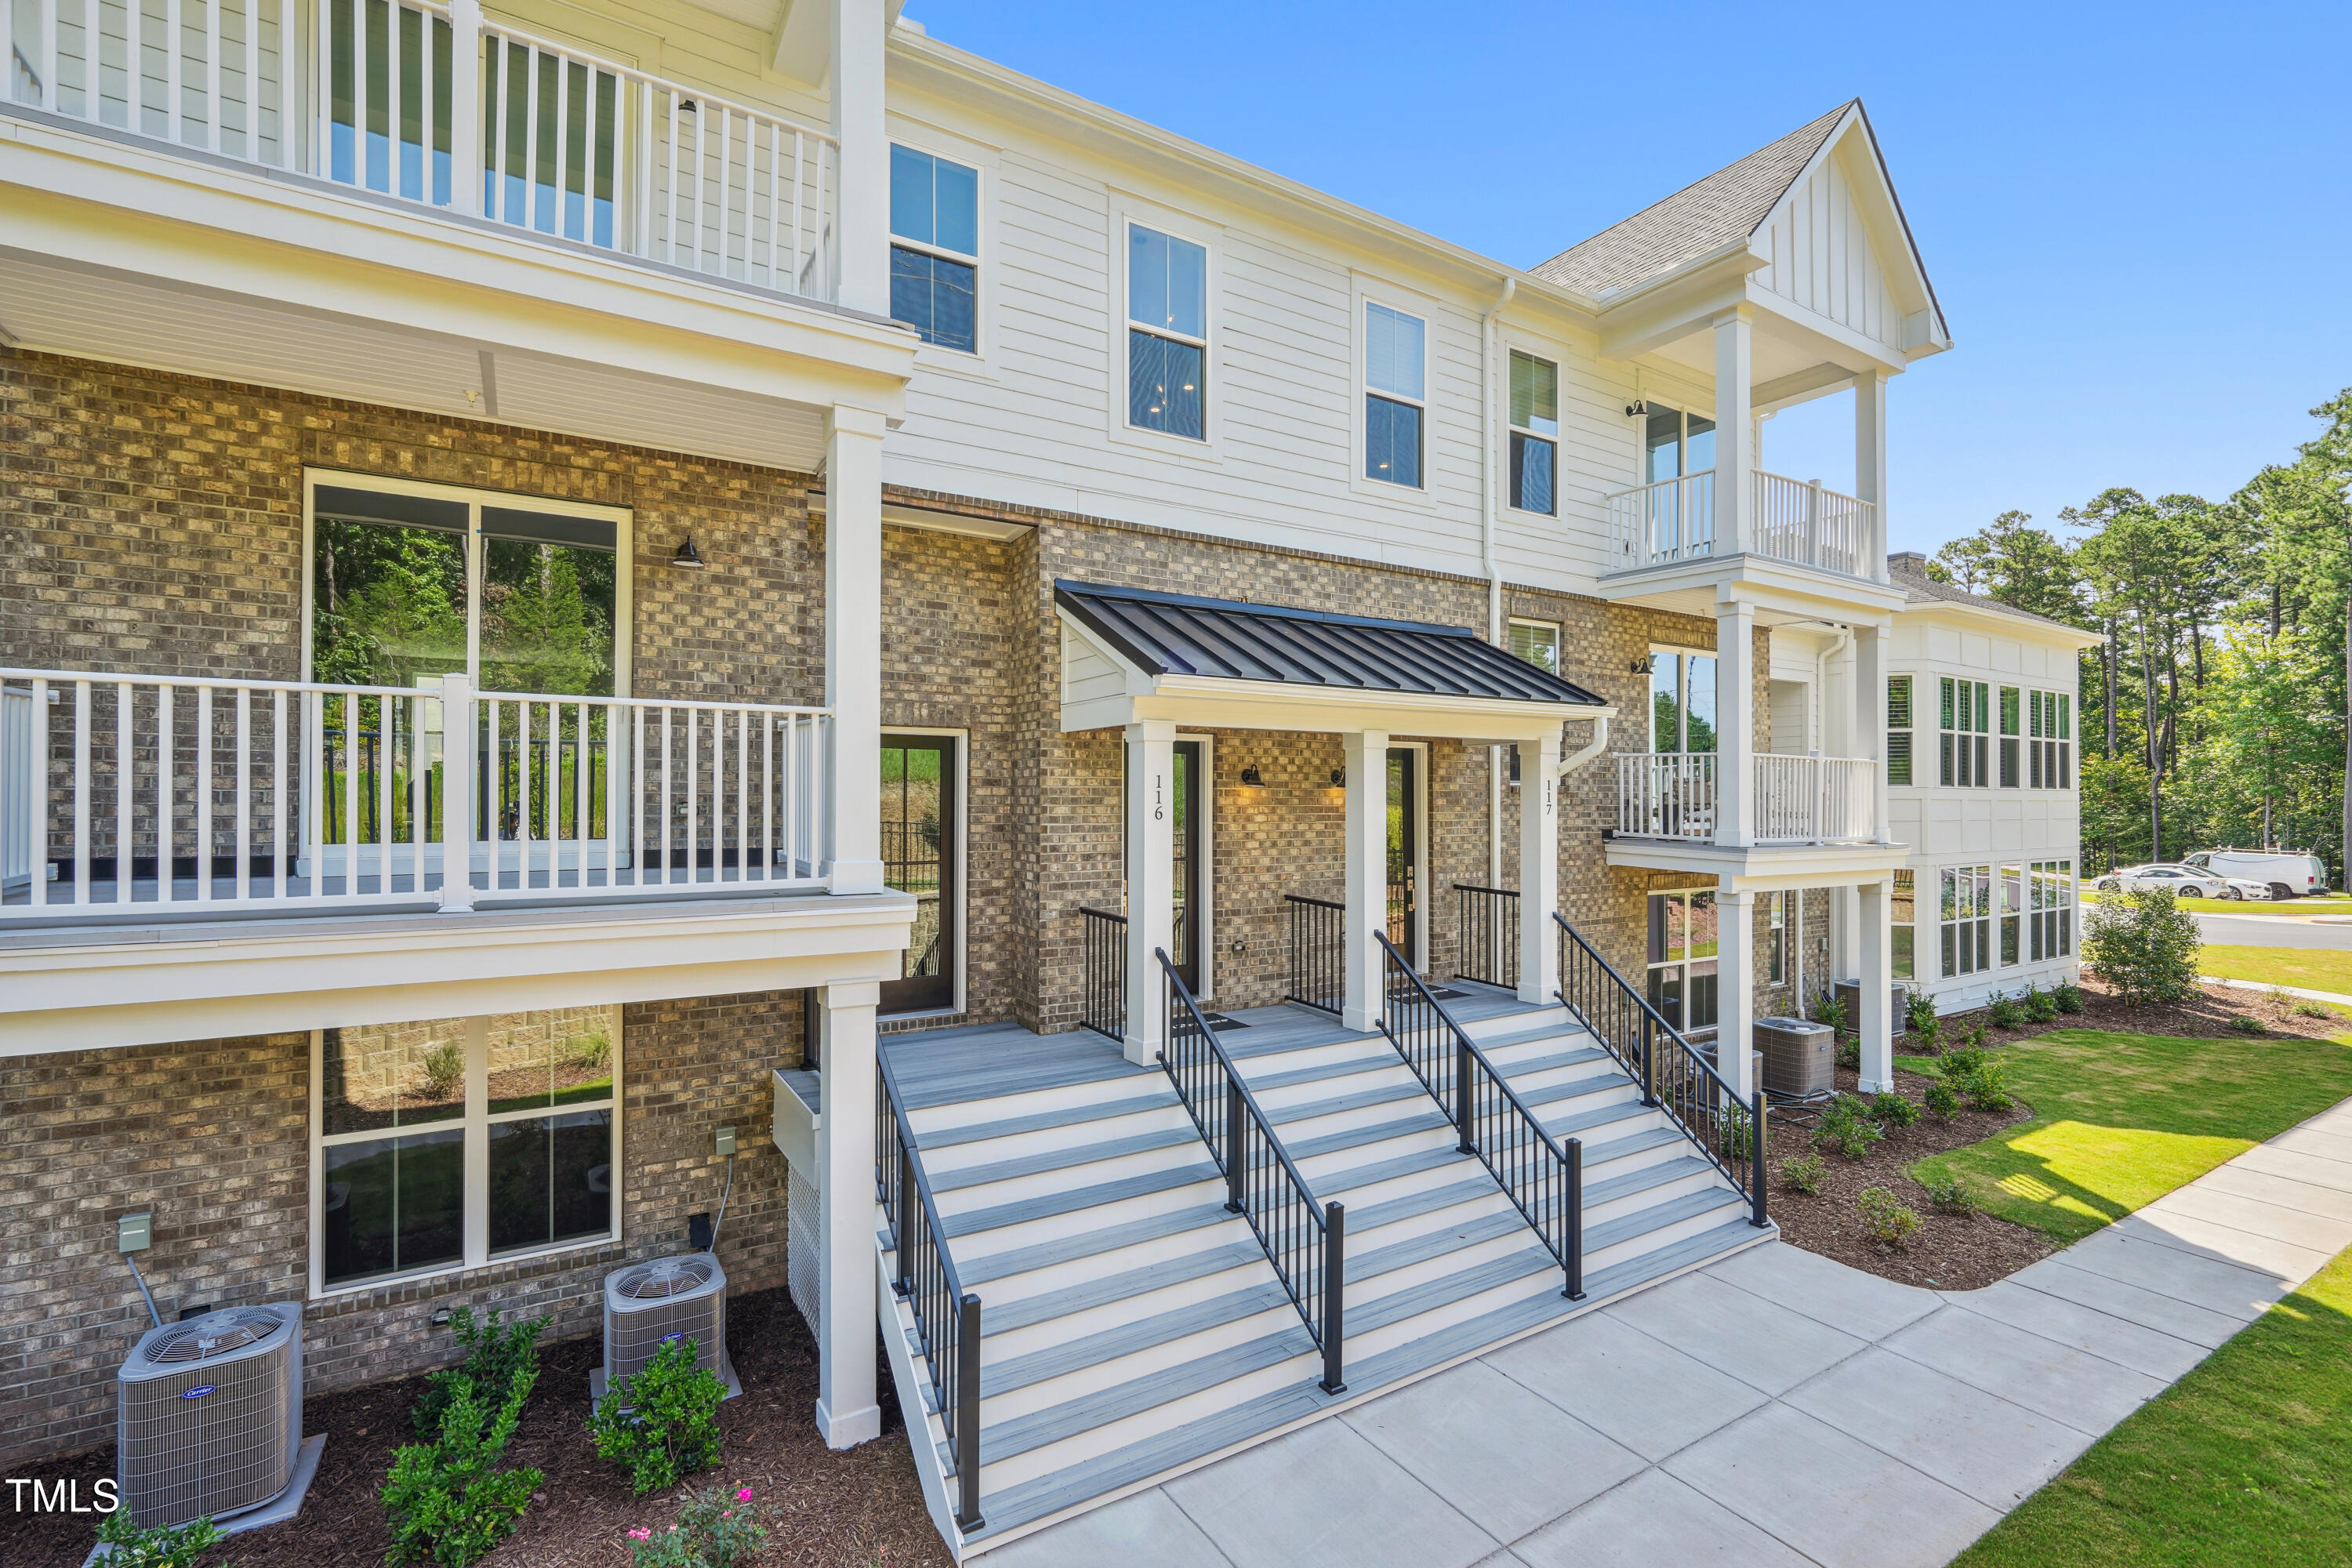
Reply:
x=1538, y=866
x=1735, y=723
x=1735, y=1001
x=1870, y=648
x=853, y=643
x=466, y=106
x=1874, y=1029
x=1735, y=430
x=1845, y=936
x=861, y=207
x=1870, y=462
x=1151, y=883
x=847, y=1412
x=1362, y=962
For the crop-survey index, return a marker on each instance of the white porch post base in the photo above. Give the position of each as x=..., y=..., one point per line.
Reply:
x=1150, y=884
x=847, y=1411
x=1367, y=753
x=1538, y=867
x=1874, y=1029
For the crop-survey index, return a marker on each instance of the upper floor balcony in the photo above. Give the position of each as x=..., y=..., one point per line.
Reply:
x=1797, y=521
x=1799, y=800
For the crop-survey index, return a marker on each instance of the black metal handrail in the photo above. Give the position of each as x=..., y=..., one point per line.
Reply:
x=1317, y=948
x=1488, y=922
x=947, y=1316
x=1104, y=1004
x=1676, y=1077
x=1542, y=1175
x=1307, y=1243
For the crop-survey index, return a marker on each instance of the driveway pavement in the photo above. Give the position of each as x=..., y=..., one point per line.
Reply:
x=2276, y=930
x=1775, y=1408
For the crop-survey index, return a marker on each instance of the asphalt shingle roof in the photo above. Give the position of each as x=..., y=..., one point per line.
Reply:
x=1907, y=570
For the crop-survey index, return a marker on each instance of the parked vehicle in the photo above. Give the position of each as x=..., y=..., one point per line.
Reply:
x=2185, y=880
x=2286, y=874
x=2246, y=887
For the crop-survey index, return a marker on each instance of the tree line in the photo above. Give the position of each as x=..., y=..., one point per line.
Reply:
x=2218, y=711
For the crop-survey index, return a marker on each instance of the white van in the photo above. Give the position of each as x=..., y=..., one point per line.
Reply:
x=2290, y=875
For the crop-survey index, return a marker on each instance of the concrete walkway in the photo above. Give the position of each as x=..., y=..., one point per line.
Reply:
x=2336, y=997
x=1775, y=1408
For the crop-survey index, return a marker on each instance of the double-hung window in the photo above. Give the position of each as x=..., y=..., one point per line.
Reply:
x=2051, y=912
x=2012, y=915
x=1537, y=642
x=1167, y=333
x=935, y=248
x=2049, y=740
x=1535, y=434
x=1968, y=911
x=1902, y=941
x=1898, y=729
x=1967, y=714
x=2012, y=718
x=1776, y=907
x=1396, y=378
x=447, y=1144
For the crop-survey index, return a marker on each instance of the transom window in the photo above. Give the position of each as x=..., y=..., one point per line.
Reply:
x=1396, y=376
x=1677, y=443
x=1682, y=701
x=935, y=248
x=1535, y=433
x=443, y=1144
x=1168, y=333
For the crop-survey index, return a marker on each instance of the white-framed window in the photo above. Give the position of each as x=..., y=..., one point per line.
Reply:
x=1776, y=911
x=1966, y=713
x=1902, y=916
x=2013, y=892
x=935, y=248
x=1966, y=910
x=447, y=1144
x=1535, y=434
x=2012, y=720
x=1675, y=443
x=1685, y=953
x=1167, y=333
x=1537, y=642
x=409, y=580
x=1898, y=729
x=2050, y=914
x=1682, y=700
x=2049, y=740
x=1396, y=394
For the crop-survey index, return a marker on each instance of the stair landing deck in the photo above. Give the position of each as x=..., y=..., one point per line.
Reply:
x=1132, y=1328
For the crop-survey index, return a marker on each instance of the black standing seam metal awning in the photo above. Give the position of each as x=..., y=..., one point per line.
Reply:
x=1177, y=634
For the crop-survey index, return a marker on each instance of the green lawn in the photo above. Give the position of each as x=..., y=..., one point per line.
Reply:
x=2121, y=1120
x=2243, y=1461
x=2313, y=968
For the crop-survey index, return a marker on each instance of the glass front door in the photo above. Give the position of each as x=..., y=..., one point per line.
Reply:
x=918, y=856
x=1684, y=951
x=1404, y=852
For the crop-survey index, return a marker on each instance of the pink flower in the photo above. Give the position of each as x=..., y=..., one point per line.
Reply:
x=641, y=1534
x=743, y=1496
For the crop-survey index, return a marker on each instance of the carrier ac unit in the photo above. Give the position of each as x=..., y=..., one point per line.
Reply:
x=1898, y=1001
x=1800, y=1058
x=209, y=1415
x=649, y=1305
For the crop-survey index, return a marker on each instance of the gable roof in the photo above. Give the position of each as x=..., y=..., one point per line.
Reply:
x=1177, y=634
x=1907, y=570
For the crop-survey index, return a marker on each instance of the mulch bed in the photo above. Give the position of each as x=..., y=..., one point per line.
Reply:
x=1966, y=1252
x=855, y=1509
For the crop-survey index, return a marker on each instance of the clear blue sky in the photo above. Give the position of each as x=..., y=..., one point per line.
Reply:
x=2138, y=218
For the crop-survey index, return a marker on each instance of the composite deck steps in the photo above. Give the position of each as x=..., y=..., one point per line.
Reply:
x=972, y=1222
x=957, y=1178
x=1042, y=1122
x=1075, y=1298
x=1090, y=1244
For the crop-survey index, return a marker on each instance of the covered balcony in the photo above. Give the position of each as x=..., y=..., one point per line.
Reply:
x=1792, y=800
x=1797, y=521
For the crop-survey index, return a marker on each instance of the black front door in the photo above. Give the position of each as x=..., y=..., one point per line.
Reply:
x=1404, y=853
x=918, y=856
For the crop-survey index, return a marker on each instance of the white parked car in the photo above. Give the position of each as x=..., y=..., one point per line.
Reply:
x=2286, y=875
x=2185, y=881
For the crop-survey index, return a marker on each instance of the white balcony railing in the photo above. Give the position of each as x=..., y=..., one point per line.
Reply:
x=1796, y=800
x=1796, y=519
x=1673, y=519
x=423, y=103
x=137, y=794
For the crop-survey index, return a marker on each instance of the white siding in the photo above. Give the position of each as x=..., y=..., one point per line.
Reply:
x=1820, y=257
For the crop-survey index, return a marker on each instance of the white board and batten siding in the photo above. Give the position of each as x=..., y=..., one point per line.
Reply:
x=1820, y=258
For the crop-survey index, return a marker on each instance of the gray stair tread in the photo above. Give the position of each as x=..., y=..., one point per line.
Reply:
x=1006, y=1127
x=1338, y=1184
x=1010, y=1438
x=1574, y=1089
x=1288, y=1078
x=1641, y=1179
x=1387, y=1211
x=1432, y=1244
x=1379, y=1094
x=973, y=1221
x=1062, y=1158
x=1530, y=1066
x=1673, y=1211
x=1429, y=1121
x=1052, y=1304
x=1245, y=1045
x=1599, y=1154
x=1107, y=1239
x=1125, y=1339
x=1577, y=1121
x=1397, y=1306
x=1560, y=1029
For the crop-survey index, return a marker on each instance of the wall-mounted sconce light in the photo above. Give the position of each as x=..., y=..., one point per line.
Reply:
x=1339, y=778
x=1643, y=665
x=1250, y=777
x=686, y=554
x=1637, y=409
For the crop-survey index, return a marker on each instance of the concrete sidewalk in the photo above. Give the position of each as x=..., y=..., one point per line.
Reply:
x=1774, y=1408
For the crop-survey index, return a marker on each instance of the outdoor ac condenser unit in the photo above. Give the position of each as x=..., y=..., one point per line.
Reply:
x=1800, y=1058
x=209, y=1415
x=1849, y=992
x=648, y=1305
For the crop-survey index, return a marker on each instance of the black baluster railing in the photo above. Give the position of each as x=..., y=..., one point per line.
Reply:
x=947, y=1316
x=1488, y=922
x=1542, y=1175
x=1673, y=1073
x=1318, y=975
x=1306, y=1242
x=1105, y=1002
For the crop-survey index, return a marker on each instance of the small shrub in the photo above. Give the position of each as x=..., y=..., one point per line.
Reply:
x=495, y=1351
x=2312, y=1010
x=1960, y=1062
x=169, y=1546
x=2043, y=1006
x=1987, y=1090
x=1942, y=1100
x=1950, y=1193
x=2067, y=997
x=1732, y=1133
x=1885, y=1216
x=2245, y=1024
x=1849, y=1054
x=2011, y=1011
x=1828, y=1009
x=590, y=1052
x=664, y=1424
x=1847, y=1128
x=2147, y=948
x=1891, y=1109
x=1974, y=1039
x=445, y=1070
x=715, y=1528
x=449, y=1502
x=1803, y=1173
x=1919, y=1016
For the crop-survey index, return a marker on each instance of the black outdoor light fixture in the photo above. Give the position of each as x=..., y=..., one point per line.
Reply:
x=1637, y=409
x=1645, y=665
x=1250, y=777
x=686, y=554
x=1339, y=778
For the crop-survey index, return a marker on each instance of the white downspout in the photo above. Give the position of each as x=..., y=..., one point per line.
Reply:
x=1486, y=559
x=1591, y=749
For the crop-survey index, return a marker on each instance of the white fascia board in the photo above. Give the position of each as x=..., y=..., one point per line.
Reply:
x=1683, y=301
x=115, y=208
x=1778, y=588
x=1761, y=868
x=211, y=980
x=1833, y=339
x=2013, y=623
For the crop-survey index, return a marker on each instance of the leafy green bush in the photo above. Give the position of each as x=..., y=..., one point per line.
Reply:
x=589, y=1052
x=663, y=1422
x=167, y=1546
x=1919, y=1017
x=715, y=1528
x=1733, y=1135
x=1958, y=1063
x=1828, y=1009
x=2312, y=1010
x=1885, y=1216
x=495, y=1351
x=1942, y=1100
x=2042, y=1006
x=1849, y=1052
x=445, y=1067
x=448, y=1500
x=2146, y=948
x=2006, y=1013
x=1803, y=1173
x=1847, y=1127
x=2067, y=997
x=1988, y=1089
x=2244, y=1025
x=1891, y=1109
x=1950, y=1193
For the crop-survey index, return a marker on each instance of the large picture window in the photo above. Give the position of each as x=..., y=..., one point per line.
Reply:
x=935, y=248
x=1168, y=333
x=1535, y=433
x=445, y=1143
x=1682, y=701
x=1396, y=391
